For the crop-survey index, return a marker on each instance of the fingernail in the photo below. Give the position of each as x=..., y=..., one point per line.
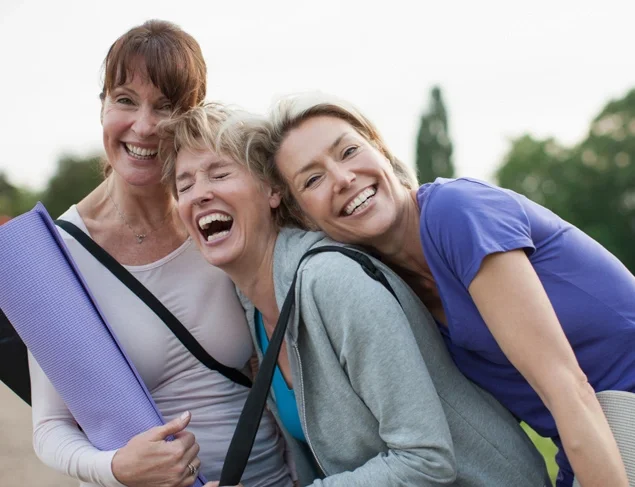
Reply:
x=184, y=416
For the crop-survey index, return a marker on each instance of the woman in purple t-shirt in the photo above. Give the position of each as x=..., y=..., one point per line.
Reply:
x=531, y=308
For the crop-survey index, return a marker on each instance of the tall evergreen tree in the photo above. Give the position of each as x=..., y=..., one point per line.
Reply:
x=434, y=147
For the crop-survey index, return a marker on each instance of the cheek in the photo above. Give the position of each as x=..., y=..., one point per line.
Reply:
x=318, y=205
x=183, y=208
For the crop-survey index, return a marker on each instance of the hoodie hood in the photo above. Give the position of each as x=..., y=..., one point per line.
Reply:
x=291, y=245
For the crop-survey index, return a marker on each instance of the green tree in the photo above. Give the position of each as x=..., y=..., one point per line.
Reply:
x=608, y=155
x=591, y=185
x=14, y=200
x=434, y=147
x=74, y=178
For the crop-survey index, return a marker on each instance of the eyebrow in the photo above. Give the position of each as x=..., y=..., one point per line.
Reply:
x=314, y=163
x=208, y=167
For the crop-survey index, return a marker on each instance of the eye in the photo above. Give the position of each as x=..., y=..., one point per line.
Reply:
x=183, y=189
x=166, y=107
x=311, y=181
x=124, y=100
x=350, y=151
x=219, y=176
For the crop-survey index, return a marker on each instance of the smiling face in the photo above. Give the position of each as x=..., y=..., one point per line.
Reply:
x=130, y=114
x=226, y=211
x=340, y=180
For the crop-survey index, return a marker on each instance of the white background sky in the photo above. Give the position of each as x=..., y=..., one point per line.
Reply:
x=505, y=67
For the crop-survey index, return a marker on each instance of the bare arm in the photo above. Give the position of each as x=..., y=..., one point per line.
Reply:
x=517, y=311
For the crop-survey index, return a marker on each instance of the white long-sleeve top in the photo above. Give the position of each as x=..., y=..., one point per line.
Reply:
x=204, y=300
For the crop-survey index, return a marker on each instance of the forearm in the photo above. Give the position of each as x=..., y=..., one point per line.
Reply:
x=62, y=446
x=587, y=438
x=517, y=310
x=57, y=440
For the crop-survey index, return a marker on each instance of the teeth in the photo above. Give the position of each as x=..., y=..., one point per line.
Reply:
x=205, y=221
x=359, y=200
x=218, y=235
x=140, y=151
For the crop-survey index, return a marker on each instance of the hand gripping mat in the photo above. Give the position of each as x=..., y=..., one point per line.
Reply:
x=50, y=306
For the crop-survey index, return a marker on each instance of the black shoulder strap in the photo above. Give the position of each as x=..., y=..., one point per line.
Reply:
x=172, y=322
x=247, y=427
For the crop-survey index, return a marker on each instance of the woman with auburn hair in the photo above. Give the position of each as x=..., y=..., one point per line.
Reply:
x=152, y=71
x=531, y=308
x=365, y=397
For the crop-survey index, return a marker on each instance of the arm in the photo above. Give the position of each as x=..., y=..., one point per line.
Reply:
x=369, y=331
x=147, y=460
x=517, y=310
x=57, y=440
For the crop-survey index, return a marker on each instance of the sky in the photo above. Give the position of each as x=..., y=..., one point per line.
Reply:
x=506, y=68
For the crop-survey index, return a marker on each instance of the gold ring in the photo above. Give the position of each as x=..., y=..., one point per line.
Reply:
x=193, y=470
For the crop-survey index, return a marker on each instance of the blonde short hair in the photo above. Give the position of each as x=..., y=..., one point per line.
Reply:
x=195, y=130
x=265, y=136
x=223, y=130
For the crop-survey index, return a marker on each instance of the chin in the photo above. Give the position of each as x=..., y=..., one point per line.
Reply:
x=218, y=258
x=149, y=176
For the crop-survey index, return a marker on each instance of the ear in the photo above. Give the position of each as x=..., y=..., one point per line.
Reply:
x=274, y=198
x=102, y=98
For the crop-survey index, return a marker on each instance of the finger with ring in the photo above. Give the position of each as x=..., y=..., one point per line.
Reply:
x=193, y=470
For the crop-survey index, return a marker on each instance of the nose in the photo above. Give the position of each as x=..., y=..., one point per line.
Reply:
x=201, y=193
x=342, y=177
x=145, y=123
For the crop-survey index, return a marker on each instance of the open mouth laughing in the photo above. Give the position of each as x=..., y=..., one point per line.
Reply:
x=215, y=226
x=360, y=202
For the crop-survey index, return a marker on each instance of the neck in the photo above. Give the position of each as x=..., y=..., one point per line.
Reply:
x=143, y=206
x=253, y=275
x=401, y=246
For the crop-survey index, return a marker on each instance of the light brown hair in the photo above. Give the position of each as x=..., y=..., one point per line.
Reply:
x=265, y=136
x=172, y=60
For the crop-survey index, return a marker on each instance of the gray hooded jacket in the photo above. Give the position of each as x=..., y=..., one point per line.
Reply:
x=380, y=401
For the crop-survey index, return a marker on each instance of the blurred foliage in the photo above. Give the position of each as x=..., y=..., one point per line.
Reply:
x=434, y=147
x=74, y=178
x=14, y=200
x=591, y=185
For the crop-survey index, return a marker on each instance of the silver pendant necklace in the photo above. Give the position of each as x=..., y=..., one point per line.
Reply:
x=139, y=236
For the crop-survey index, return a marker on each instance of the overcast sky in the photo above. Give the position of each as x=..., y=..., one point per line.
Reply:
x=505, y=67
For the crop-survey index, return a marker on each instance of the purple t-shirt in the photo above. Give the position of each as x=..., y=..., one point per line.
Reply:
x=593, y=294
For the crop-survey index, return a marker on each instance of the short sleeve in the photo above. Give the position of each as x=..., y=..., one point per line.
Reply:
x=464, y=221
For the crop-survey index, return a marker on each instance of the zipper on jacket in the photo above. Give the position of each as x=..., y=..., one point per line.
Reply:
x=306, y=433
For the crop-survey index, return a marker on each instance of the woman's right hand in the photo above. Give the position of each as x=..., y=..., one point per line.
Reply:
x=150, y=461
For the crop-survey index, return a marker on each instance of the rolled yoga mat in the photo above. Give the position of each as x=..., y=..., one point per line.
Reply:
x=50, y=306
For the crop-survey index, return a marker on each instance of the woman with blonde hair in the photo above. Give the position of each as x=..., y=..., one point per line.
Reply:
x=531, y=308
x=364, y=387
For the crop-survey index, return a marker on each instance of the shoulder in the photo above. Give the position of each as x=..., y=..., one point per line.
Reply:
x=456, y=205
x=334, y=279
x=72, y=215
x=456, y=196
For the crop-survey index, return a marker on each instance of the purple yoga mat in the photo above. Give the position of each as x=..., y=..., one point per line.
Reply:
x=50, y=306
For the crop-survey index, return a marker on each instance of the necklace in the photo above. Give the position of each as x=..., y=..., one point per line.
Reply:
x=140, y=236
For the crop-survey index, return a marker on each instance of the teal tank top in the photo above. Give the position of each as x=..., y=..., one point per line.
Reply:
x=285, y=398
